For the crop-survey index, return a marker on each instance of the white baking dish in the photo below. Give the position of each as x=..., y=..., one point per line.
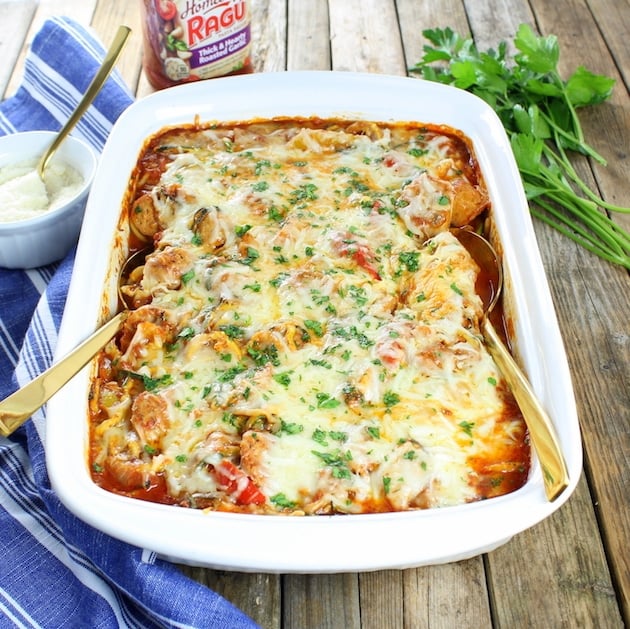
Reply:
x=319, y=543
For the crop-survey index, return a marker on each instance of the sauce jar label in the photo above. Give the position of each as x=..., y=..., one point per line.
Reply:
x=187, y=40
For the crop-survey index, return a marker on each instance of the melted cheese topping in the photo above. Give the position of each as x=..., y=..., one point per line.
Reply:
x=306, y=338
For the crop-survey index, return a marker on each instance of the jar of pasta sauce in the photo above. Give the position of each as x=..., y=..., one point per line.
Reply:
x=188, y=40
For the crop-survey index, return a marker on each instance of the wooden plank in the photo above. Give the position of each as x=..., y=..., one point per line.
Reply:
x=591, y=299
x=103, y=18
x=601, y=355
x=606, y=126
x=107, y=18
x=269, y=35
x=446, y=596
x=439, y=596
x=365, y=37
x=382, y=598
x=415, y=17
x=257, y=595
x=331, y=601
x=613, y=19
x=573, y=548
x=321, y=601
x=308, y=35
x=47, y=9
x=19, y=15
x=492, y=22
x=554, y=574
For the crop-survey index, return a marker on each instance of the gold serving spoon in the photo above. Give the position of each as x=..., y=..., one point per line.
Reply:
x=541, y=430
x=19, y=406
x=90, y=94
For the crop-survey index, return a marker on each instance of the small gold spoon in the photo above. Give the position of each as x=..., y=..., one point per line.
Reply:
x=541, y=430
x=19, y=406
x=90, y=94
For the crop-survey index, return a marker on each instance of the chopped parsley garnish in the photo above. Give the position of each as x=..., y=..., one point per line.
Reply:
x=306, y=192
x=338, y=435
x=320, y=363
x=323, y=300
x=314, y=326
x=276, y=281
x=241, y=230
x=291, y=428
x=319, y=436
x=358, y=294
x=282, y=378
x=233, y=331
x=229, y=374
x=280, y=500
x=374, y=432
x=337, y=461
x=410, y=260
x=352, y=332
x=390, y=399
x=188, y=276
x=260, y=186
x=324, y=400
x=275, y=214
x=261, y=165
x=186, y=333
x=252, y=255
x=416, y=152
x=150, y=384
x=263, y=355
x=229, y=418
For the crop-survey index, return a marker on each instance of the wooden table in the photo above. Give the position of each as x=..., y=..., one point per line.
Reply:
x=572, y=570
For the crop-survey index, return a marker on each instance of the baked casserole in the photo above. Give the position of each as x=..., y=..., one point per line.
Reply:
x=304, y=337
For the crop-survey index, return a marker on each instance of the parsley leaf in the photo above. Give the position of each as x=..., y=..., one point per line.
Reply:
x=539, y=112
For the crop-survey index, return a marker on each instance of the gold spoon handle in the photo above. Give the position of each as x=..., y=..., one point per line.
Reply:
x=541, y=429
x=93, y=89
x=18, y=407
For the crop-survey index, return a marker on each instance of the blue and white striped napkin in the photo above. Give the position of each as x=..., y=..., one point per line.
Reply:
x=56, y=571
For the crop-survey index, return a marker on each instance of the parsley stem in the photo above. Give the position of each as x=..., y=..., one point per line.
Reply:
x=580, y=144
x=582, y=238
x=539, y=111
x=565, y=163
x=599, y=235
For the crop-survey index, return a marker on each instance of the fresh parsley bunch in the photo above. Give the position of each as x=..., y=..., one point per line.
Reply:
x=539, y=112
